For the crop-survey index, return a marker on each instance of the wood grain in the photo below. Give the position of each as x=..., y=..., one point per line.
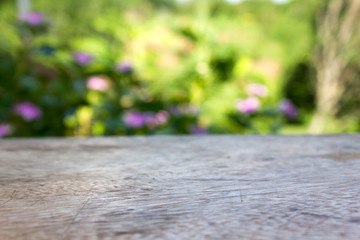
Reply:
x=213, y=187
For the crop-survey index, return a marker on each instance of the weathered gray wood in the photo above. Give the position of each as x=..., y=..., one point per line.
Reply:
x=215, y=187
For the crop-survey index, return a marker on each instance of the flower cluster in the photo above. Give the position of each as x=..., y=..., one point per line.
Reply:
x=33, y=18
x=289, y=109
x=97, y=83
x=137, y=120
x=28, y=111
x=252, y=103
x=249, y=105
x=256, y=89
x=124, y=67
x=5, y=129
x=83, y=58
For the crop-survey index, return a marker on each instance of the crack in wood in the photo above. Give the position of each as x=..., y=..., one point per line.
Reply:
x=11, y=198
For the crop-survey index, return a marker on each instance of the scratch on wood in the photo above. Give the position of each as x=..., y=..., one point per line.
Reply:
x=38, y=200
x=11, y=198
x=75, y=217
x=78, y=213
x=319, y=215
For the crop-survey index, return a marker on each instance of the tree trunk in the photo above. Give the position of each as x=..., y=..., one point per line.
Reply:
x=23, y=6
x=336, y=27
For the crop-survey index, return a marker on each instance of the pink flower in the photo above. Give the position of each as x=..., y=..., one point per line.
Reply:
x=162, y=117
x=97, y=83
x=134, y=119
x=288, y=108
x=5, y=129
x=28, y=111
x=248, y=105
x=83, y=58
x=33, y=18
x=257, y=90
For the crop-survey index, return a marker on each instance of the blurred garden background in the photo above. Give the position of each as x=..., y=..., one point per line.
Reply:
x=155, y=67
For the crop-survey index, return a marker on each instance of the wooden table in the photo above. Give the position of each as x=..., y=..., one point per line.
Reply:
x=213, y=187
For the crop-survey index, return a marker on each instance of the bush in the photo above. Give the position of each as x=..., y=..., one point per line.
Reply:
x=169, y=78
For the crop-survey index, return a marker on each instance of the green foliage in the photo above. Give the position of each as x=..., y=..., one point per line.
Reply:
x=300, y=88
x=185, y=68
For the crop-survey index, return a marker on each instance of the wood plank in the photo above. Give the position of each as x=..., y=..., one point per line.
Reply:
x=213, y=187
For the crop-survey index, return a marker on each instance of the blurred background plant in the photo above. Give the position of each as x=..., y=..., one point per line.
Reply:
x=178, y=67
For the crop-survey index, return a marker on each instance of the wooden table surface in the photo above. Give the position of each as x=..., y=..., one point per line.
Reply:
x=213, y=187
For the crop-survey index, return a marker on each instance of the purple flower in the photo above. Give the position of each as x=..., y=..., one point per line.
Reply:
x=248, y=105
x=197, y=130
x=124, y=67
x=33, y=18
x=151, y=120
x=134, y=119
x=83, y=58
x=288, y=108
x=257, y=90
x=5, y=129
x=28, y=111
x=97, y=83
